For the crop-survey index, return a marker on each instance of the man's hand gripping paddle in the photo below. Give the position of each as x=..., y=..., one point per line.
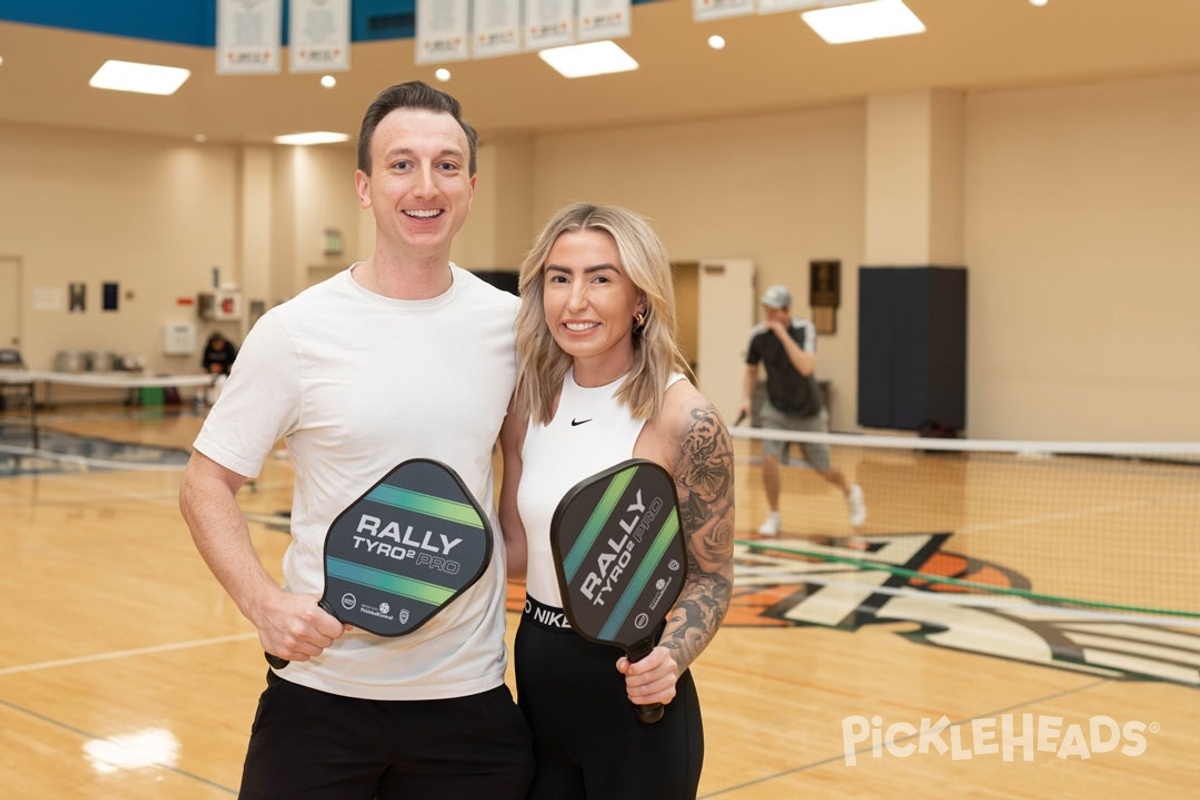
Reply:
x=403, y=551
x=620, y=558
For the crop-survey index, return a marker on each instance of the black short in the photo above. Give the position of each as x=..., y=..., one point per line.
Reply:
x=311, y=745
x=588, y=742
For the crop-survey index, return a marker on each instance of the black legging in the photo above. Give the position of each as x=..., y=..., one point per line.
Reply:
x=588, y=743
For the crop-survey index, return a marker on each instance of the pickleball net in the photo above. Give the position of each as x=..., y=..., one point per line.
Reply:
x=1111, y=527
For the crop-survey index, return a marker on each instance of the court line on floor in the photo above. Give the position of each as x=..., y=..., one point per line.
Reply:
x=1080, y=513
x=139, y=651
x=169, y=497
x=93, y=737
x=901, y=740
x=84, y=463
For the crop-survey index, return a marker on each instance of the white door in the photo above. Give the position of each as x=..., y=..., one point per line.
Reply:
x=727, y=307
x=10, y=302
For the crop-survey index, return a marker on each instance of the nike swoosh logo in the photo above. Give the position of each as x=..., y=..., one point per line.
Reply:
x=575, y=422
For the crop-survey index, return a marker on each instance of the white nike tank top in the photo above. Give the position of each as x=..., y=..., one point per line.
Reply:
x=591, y=431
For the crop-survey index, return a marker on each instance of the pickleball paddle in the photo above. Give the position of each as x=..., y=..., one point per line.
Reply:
x=620, y=558
x=404, y=550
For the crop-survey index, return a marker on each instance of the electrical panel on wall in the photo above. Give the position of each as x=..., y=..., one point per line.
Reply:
x=220, y=306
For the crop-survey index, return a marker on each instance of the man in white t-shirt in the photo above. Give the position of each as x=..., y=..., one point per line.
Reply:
x=403, y=355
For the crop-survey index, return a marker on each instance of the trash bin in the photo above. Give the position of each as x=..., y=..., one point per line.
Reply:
x=151, y=395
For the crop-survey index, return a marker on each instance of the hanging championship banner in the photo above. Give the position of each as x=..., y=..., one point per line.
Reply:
x=495, y=28
x=248, y=34
x=319, y=35
x=442, y=32
x=603, y=19
x=549, y=23
x=704, y=10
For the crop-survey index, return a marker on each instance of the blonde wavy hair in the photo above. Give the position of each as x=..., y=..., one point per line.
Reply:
x=543, y=364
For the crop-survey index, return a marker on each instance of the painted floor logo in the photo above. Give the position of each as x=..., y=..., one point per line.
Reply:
x=1009, y=737
x=848, y=584
x=61, y=451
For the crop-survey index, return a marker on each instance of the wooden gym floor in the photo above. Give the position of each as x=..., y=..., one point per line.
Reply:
x=127, y=673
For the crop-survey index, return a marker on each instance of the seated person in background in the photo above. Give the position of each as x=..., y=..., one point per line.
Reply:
x=219, y=354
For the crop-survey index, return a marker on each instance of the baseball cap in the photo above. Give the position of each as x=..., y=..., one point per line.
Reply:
x=777, y=297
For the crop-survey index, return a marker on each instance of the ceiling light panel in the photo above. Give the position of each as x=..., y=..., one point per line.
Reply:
x=312, y=137
x=859, y=22
x=585, y=60
x=130, y=76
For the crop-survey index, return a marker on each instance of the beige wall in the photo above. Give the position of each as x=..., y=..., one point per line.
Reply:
x=779, y=190
x=497, y=233
x=154, y=216
x=1084, y=253
x=324, y=197
x=1078, y=225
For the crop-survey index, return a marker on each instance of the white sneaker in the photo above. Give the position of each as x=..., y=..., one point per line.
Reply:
x=858, y=507
x=771, y=525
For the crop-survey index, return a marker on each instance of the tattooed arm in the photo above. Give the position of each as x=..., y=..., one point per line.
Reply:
x=694, y=444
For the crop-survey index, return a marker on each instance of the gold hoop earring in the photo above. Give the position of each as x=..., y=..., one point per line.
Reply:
x=639, y=323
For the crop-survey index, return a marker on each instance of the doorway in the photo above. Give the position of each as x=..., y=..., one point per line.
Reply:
x=10, y=302
x=687, y=311
x=726, y=310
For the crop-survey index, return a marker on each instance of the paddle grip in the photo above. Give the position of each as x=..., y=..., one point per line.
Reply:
x=275, y=661
x=279, y=662
x=651, y=712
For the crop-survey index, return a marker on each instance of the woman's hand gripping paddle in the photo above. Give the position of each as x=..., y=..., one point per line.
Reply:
x=620, y=558
x=404, y=551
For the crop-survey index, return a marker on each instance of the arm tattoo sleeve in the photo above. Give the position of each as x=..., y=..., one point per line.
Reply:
x=704, y=482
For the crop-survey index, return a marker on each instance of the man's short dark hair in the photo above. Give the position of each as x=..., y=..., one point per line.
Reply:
x=417, y=95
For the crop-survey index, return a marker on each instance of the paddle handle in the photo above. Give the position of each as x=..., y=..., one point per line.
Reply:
x=278, y=662
x=275, y=661
x=651, y=712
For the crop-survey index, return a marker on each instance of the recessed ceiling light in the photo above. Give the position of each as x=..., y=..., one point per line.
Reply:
x=1038, y=3
x=442, y=74
x=312, y=137
x=585, y=60
x=328, y=81
x=716, y=42
x=129, y=76
x=859, y=22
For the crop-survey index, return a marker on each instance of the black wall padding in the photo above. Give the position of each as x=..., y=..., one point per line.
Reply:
x=501, y=278
x=912, y=347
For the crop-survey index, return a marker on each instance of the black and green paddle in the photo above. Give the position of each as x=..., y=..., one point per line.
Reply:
x=404, y=550
x=620, y=558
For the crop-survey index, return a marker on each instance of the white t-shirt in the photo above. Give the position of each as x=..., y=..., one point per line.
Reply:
x=358, y=383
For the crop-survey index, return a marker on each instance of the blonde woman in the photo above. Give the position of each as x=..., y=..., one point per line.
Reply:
x=599, y=382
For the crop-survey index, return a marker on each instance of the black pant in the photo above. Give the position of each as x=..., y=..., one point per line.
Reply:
x=588, y=742
x=311, y=745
